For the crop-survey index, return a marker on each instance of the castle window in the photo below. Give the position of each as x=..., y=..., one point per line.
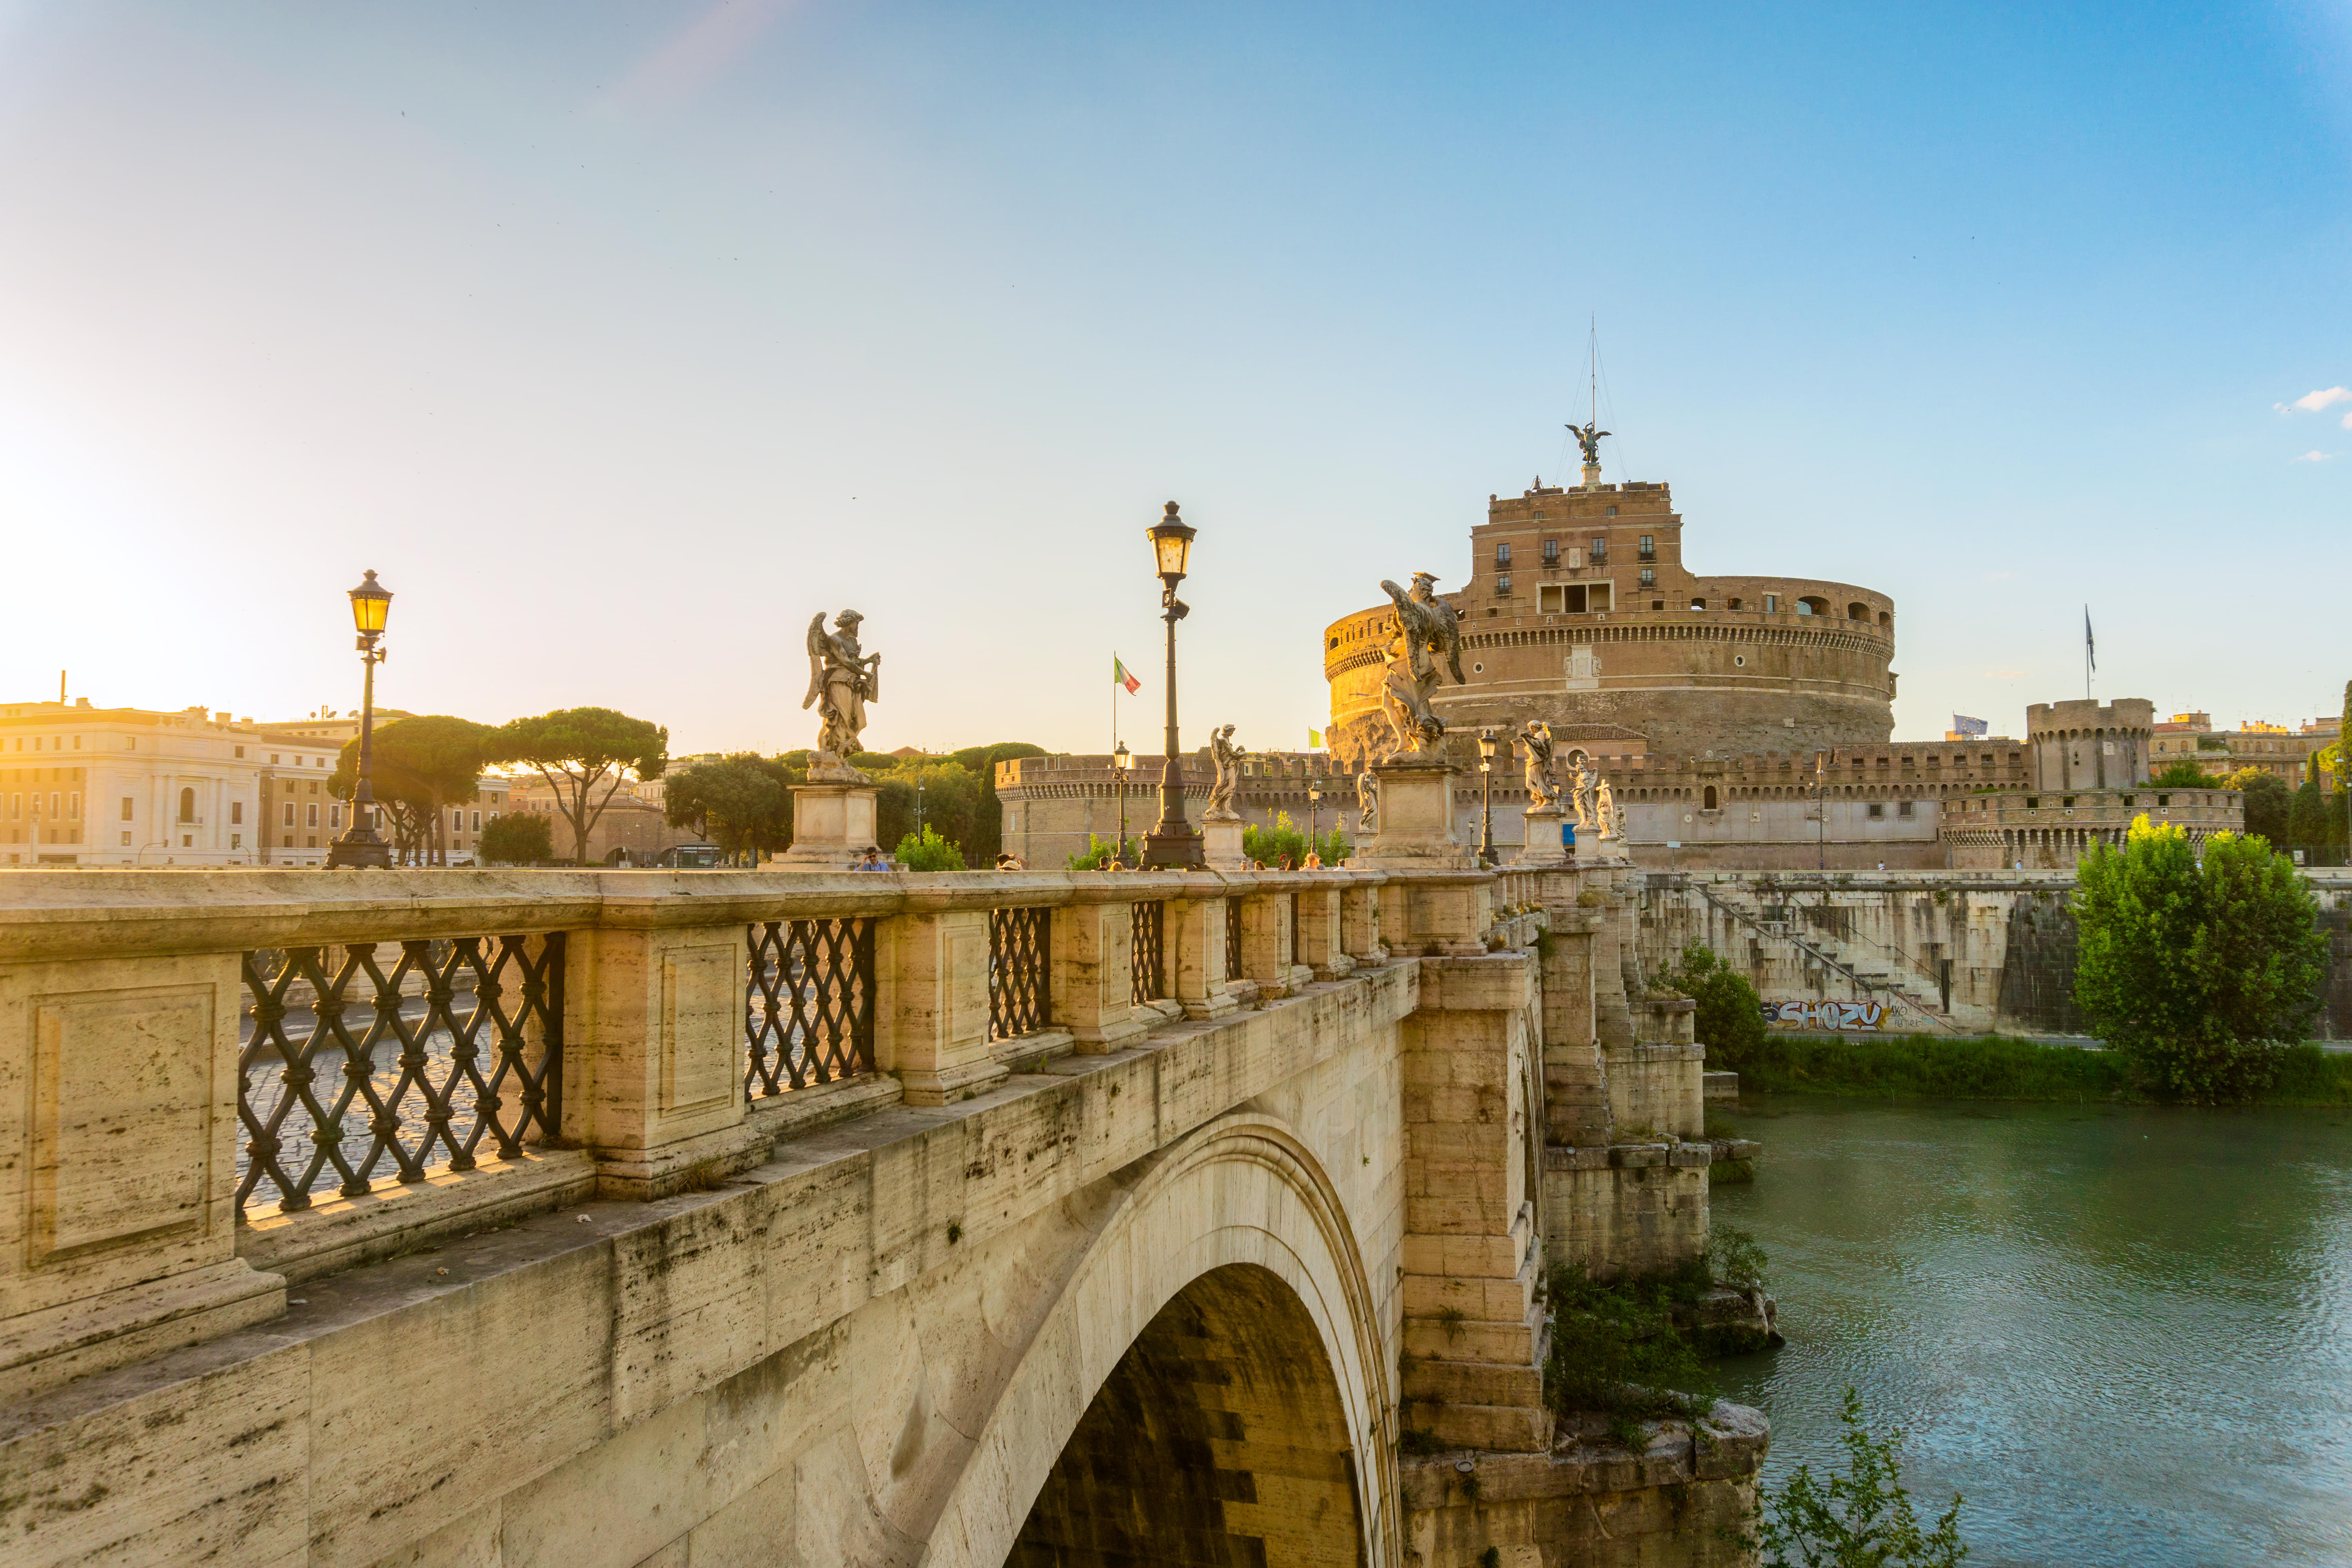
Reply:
x=1901, y=808
x=1813, y=604
x=1503, y=554
x=1649, y=577
x=1707, y=803
x=1771, y=604
x=1610, y=511
x=1551, y=551
x=1878, y=810
x=1502, y=586
x=1649, y=548
x=1857, y=612
x=1697, y=603
x=187, y=806
x=1733, y=604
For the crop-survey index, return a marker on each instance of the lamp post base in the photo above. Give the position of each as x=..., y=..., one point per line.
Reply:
x=1179, y=850
x=353, y=853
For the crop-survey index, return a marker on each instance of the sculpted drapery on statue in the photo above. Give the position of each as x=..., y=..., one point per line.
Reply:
x=1368, y=802
x=1426, y=626
x=1582, y=780
x=841, y=681
x=1543, y=788
x=1227, y=758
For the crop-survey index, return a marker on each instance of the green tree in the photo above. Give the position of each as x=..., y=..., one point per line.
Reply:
x=2182, y=774
x=929, y=853
x=576, y=749
x=2311, y=820
x=986, y=835
x=1270, y=844
x=740, y=803
x=1863, y=1518
x=1730, y=1019
x=2200, y=974
x=416, y=768
x=518, y=839
x=2268, y=801
x=948, y=796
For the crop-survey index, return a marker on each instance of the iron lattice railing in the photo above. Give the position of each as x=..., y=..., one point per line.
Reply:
x=1232, y=939
x=808, y=1013
x=1018, y=971
x=429, y=1102
x=1145, y=952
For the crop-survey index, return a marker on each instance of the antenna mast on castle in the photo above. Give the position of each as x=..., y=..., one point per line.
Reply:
x=1593, y=367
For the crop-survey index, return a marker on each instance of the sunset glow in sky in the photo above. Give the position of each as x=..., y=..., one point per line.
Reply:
x=622, y=339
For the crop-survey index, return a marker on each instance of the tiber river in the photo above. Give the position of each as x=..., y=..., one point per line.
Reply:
x=2125, y=1334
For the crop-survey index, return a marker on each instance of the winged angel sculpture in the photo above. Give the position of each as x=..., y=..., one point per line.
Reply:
x=1426, y=627
x=841, y=681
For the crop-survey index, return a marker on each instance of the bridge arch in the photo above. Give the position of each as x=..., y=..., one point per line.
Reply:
x=1227, y=1290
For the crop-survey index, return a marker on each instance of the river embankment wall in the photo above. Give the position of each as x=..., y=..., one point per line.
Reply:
x=1917, y=952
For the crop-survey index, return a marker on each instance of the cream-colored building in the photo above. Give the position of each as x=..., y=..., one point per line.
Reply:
x=84, y=786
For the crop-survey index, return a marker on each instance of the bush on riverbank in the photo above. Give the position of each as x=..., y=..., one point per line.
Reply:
x=1998, y=1066
x=1623, y=1351
x=2198, y=970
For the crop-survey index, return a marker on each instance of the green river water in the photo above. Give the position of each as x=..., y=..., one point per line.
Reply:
x=2125, y=1334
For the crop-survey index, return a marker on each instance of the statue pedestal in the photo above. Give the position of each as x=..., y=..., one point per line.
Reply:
x=1220, y=844
x=1417, y=826
x=1542, y=844
x=832, y=823
x=1591, y=474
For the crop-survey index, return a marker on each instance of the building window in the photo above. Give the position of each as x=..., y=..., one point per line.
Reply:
x=1697, y=603
x=1878, y=810
x=478, y=822
x=126, y=808
x=1649, y=577
x=73, y=806
x=334, y=816
x=1771, y=604
x=273, y=762
x=1551, y=551
x=126, y=841
x=240, y=750
x=1600, y=552
x=1503, y=554
x=1502, y=585
x=314, y=841
x=187, y=806
x=1610, y=511
x=1903, y=808
x=1649, y=548
x=236, y=840
x=289, y=841
x=1707, y=802
x=236, y=811
x=314, y=817
x=289, y=822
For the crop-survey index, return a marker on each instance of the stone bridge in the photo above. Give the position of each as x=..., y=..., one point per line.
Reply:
x=702, y=1218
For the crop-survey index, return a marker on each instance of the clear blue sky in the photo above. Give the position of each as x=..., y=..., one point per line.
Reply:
x=622, y=339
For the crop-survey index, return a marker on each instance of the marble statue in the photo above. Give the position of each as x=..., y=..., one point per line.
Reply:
x=1426, y=626
x=1612, y=820
x=841, y=681
x=1227, y=758
x=1543, y=786
x=1368, y=802
x=1582, y=780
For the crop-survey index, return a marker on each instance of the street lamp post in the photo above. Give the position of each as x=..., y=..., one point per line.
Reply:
x=1173, y=841
x=1314, y=806
x=1122, y=762
x=363, y=845
x=1486, y=798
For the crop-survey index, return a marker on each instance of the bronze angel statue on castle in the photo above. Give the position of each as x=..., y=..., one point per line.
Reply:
x=841, y=681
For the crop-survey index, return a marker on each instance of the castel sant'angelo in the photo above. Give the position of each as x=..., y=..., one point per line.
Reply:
x=1579, y=611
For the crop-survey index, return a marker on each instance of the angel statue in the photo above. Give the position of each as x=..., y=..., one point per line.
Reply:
x=841, y=681
x=1582, y=780
x=1612, y=820
x=1590, y=439
x=1227, y=759
x=1543, y=788
x=1368, y=802
x=1426, y=626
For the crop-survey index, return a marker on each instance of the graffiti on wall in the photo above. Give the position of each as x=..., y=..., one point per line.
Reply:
x=1823, y=1014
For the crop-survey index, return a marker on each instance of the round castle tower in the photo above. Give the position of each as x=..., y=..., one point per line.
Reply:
x=1579, y=611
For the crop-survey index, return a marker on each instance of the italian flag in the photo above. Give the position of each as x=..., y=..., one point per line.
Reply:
x=1314, y=739
x=1119, y=676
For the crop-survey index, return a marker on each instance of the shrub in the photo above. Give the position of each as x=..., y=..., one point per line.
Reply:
x=929, y=853
x=1735, y=1258
x=2199, y=975
x=1616, y=1352
x=2184, y=774
x=1270, y=844
x=1863, y=1518
x=518, y=839
x=2268, y=802
x=1099, y=854
x=1730, y=1017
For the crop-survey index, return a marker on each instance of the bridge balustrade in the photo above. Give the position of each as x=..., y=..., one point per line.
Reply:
x=287, y=1072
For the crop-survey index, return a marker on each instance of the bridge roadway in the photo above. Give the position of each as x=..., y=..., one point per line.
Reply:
x=1144, y=1217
